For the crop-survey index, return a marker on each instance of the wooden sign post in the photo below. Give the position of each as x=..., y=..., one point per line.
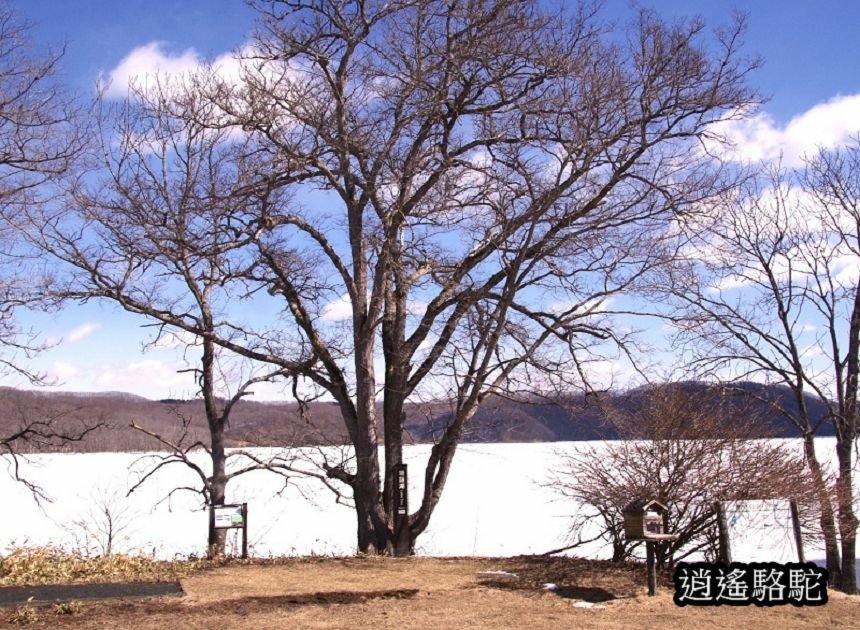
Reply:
x=401, y=510
x=648, y=520
x=231, y=516
x=651, y=566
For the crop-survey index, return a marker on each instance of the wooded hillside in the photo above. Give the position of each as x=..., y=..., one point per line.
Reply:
x=281, y=423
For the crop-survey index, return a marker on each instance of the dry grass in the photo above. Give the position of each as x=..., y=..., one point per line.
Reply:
x=27, y=566
x=433, y=592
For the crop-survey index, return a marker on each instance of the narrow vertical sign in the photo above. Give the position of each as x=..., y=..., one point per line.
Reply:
x=401, y=500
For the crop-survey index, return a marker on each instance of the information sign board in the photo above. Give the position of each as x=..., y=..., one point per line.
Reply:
x=762, y=531
x=229, y=516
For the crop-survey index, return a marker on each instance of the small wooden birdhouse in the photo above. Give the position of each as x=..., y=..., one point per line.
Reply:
x=645, y=519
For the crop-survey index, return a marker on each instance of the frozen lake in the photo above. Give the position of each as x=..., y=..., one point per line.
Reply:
x=497, y=502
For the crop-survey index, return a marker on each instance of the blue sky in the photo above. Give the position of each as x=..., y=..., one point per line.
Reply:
x=810, y=75
x=810, y=48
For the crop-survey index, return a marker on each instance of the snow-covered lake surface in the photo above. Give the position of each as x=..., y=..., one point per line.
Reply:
x=498, y=502
x=495, y=503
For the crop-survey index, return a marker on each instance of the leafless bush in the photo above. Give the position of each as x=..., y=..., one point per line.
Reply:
x=105, y=522
x=688, y=449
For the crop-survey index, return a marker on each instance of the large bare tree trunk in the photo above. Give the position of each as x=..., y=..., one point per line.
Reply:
x=218, y=481
x=217, y=496
x=373, y=533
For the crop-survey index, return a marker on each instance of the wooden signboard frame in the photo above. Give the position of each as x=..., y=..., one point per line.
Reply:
x=227, y=519
x=727, y=551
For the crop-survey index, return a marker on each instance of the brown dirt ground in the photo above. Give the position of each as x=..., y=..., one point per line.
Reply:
x=432, y=593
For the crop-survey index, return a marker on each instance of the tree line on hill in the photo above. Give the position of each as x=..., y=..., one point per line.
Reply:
x=281, y=424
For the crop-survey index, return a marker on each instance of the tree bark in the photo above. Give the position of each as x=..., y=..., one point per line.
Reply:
x=827, y=519
x=373, y=534
x=217, y=494
x=218, y=481
x=847, y=579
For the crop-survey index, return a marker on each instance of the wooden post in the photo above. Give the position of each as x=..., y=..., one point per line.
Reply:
x=723, y=528
x=652, y=567
x=795, y=521
x=244, y=531
x=402, y=544
x=210, y=546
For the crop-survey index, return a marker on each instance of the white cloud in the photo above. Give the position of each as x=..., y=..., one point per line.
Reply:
x=590, y=306
x=147, y=372
x=145, y=63
x=337, y=310
x=62, y=371
x=148, y=377
x=847, y=271
x=611, y=373
x=811, y=351
x=79, y=332
x=759, y=138
x=176, y=339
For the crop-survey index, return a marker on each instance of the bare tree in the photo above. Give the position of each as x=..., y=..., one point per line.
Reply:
x=771, y=292
x=105, y=522
x=830, y=261
x=163, y=223
x=688, y=446
x=39, y=139
x=489, y=192
x=224, y=465
x=470, y=183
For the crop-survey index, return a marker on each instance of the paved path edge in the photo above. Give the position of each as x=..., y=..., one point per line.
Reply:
x=50, y=593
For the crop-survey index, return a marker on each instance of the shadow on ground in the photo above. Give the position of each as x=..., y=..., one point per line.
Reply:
x=571, y=578
x=322, y=598
x=585, y=593
x=245, y=606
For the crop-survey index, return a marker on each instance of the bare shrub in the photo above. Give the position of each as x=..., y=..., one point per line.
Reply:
x=687, y=448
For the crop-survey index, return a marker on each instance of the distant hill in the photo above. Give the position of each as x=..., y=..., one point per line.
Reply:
x=274, y=423
x=583, y=418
